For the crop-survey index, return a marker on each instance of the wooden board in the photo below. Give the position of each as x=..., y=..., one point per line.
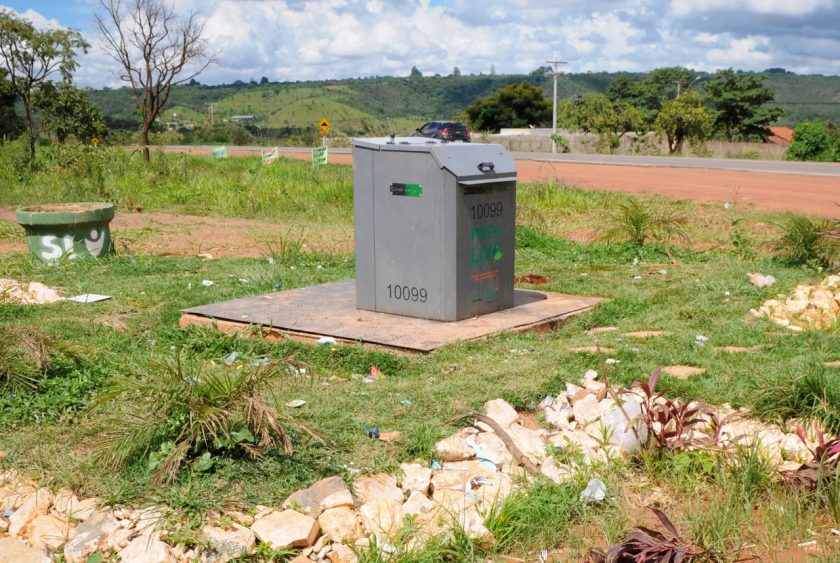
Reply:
x=309, y=313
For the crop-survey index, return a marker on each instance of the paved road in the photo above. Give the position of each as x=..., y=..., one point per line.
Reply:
x=801, y=187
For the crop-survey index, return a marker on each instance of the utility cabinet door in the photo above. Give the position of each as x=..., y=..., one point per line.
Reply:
x=408, y=238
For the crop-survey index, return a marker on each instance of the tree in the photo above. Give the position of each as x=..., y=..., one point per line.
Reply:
x=31, y=57
x=156, y=49
x=68, y=112
x=812, y=141
x=683, y=119
x=515, y=105
x=649, y=94
x=415, y=73
x=739, y=100
x=10, y=125
x=456, y=71
x=596, y=113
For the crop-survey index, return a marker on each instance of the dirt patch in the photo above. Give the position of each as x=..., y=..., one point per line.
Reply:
x=683, y=372
x=533, y=279
x=645, y=333
x=738, y=349
x=65, y=207
x=592, y=350
x=167, y=234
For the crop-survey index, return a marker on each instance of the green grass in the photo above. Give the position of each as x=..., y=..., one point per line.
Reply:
x=51, y=433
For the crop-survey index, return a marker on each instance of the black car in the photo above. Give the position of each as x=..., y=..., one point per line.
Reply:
x=444, y=130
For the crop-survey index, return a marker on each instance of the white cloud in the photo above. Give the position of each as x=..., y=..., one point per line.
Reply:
x=326, y=39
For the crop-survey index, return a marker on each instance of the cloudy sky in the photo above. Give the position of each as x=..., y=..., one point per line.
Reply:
x=324, y=39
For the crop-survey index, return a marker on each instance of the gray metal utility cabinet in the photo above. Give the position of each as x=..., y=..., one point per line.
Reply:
x=434, y=227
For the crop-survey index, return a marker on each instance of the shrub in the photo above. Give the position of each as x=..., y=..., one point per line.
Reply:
x=808, y=241
x=638, y=224
x=186, y=409
x=812, y=141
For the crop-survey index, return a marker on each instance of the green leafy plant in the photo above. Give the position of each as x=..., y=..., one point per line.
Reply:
x=638, y=224
x=808, y=241
x=647, y=545
x=561, y=142
x=186, y=409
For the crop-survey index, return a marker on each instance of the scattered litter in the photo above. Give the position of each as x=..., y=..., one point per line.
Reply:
x=584, y=275
x=637, y=277
x=319, y=267
x=277, y=286
x=243, y=280
x=595, y=491
x=206, y=256
x=700, y=340
x=835, y=531
x=663, y=272
x=350, y=470
x=611, y=361
x=761, y=280
x=389, y=549
x=7, y=513
x=636, y=261
x=405, y=403
x=727, y=205
x=270, y=260
x=436, y=465
x=449, y=467
x=34, y=293
x=207, y=283
x=807, y=543
x=390, y=436
x=230, y=359
x=88, y=298
x=727, y=295
x=262, y=361
x=372, y=433
x=374, y=375
x=543, y=556
x=297, y=403
x=327, y=340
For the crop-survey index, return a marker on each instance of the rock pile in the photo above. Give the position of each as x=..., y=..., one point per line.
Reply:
x=810, y=306
x=34, y=293
x=479, y=466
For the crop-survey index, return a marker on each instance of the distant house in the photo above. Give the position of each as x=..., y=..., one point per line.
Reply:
x=241, y=118
x=781, y=135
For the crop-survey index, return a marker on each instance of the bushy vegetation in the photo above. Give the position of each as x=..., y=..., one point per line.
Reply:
x=814, y=140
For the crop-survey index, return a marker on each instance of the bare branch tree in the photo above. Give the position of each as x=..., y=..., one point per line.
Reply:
x=156, y=49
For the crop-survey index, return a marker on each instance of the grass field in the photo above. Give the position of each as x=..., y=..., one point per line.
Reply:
x=698, y=287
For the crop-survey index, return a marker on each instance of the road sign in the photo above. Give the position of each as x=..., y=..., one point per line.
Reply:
x=325, y=127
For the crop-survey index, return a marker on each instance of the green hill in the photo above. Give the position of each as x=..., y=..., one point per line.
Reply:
x=383, y=104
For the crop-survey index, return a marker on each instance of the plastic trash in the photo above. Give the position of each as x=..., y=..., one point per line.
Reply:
x=270, y=260
x=372, y=433
x=611, y=361
x=595, y=491
x=436, y=465
x=296, y=403
x=207, y=283
x=230, y=359
x=405, y=403
x=327, y=340
x=700, y=340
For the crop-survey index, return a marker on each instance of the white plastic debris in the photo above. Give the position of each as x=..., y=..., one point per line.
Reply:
x=700, y=340
x=297, y=403
x=88, y=298
x=611, y=361
x=761, y=280
x=663, y=272
x=637, y=277
x=595, y=491
x=207, y=283
x=270, y=260
x=230, y=359
x=327, y=340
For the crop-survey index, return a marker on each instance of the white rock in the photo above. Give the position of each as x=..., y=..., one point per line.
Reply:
x=558, y=472
x=340, y=524
x=415, y=477
x=325, y=494
x=494, y=449
x=530, y=442
x=559, y=416
x=620, y=431
x=90, y=536
x=36, y=504
x=417, y=503
x=454, y=448
x=501, y=412
x=377, y=487
x=587, y=410
x=227, y=544
x=382, y=518
x=342, y=554
x=15, y=551
x=286, y=529
x=48, y=532
x=145, y=549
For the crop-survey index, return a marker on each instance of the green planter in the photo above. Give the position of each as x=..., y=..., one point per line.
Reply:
x=67, y=230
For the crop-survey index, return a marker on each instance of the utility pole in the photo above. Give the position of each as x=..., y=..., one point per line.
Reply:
x=211, y=112
x=554, y=72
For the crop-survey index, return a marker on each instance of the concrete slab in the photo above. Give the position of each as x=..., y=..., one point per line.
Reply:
x=309, y=313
